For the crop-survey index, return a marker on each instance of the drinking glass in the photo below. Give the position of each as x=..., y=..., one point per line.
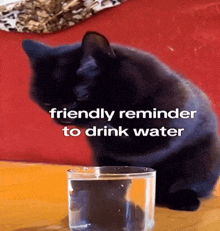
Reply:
x=111, y=198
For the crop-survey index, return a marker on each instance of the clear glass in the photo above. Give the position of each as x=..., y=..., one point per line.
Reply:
x=111, y=198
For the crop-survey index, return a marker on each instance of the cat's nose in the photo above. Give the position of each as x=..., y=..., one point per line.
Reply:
x=83, y=98
x=82, y=93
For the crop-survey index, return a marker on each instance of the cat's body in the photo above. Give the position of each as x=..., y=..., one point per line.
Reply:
x=96, y=75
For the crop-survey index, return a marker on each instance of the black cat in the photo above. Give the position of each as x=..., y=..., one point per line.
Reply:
x=94, y=74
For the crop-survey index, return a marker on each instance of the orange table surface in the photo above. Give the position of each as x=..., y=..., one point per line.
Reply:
x=34, y=197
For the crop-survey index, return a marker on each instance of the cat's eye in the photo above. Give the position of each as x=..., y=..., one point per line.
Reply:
x=47, y=104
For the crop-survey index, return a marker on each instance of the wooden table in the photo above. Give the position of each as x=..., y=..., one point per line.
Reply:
x=34, y=197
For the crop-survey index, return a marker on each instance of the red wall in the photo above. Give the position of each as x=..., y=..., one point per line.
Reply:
x=183, y=33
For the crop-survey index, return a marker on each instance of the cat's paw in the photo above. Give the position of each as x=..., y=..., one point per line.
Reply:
x=184, y=200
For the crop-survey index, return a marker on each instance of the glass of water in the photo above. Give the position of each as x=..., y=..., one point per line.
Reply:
x=111, y=198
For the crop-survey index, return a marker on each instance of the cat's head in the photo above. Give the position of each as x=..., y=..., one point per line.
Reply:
x=82, y=76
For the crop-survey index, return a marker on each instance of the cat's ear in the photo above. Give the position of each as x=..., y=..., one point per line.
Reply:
x=35, y=49
x=94, y=42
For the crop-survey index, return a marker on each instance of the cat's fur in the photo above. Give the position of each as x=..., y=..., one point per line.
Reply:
x=94, y=74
